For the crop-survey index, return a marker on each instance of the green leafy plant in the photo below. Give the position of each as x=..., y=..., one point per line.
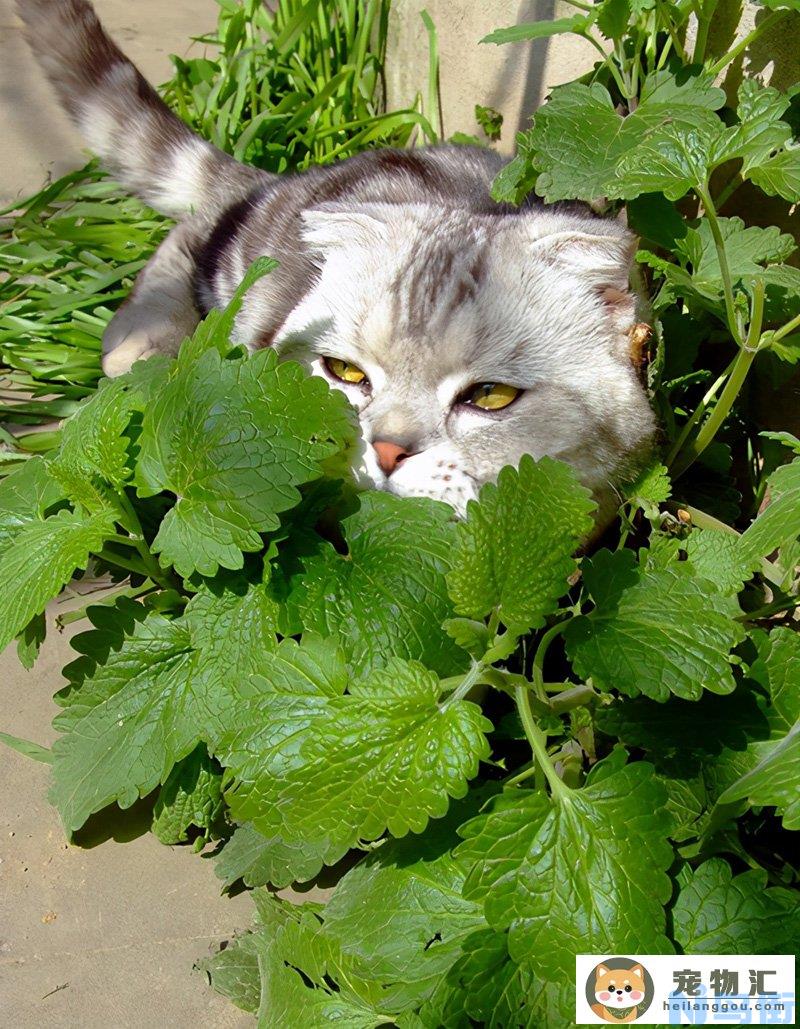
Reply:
x=280, y=90
x=516, y=753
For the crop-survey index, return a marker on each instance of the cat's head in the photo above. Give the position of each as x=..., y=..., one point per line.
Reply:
x=467, y=340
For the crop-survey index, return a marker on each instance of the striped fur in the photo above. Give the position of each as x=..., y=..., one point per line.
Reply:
x=140, y=141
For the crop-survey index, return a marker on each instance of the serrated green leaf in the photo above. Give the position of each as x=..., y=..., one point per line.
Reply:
x=767, y=773
x=234, y=439
x=778, y=523
x=687, y=800
x=233, y=972
x=190, y=798
x=388, y=596
x=787, y=439
x=582, y=146
x=469, y=634
x=719, y=913
x=485, y=986
x=313, y=764
x=261, y=722
x=306, y=980
x=40, y=561
x=673, y=160
x=578, y=873
x=514, y=181
x=111, y=625
x=387, y=756
x=217, y=327
x=786, y=349
x=714, y=555
x=400, y=911
x=26, y=495
x=128, y=724
x=680, y=157
x=651, y=488
x=612, y=19
x=655, y=632
x=93, y=450
x=515, y=549
x=779, y=175
x=774, y=781
x=30, y=640
x=232, y=622
x=747, y=249
x=490, y=120
x=259, y=860
x=760, y=132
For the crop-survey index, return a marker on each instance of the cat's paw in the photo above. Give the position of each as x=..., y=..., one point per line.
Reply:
x=153, y=324
x=137, y=347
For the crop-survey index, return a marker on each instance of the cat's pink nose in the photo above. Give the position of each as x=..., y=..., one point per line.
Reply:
x=390, y=455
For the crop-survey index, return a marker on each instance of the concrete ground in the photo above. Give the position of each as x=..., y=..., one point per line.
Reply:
x=103, y=935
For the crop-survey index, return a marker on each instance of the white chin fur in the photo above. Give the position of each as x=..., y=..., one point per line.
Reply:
x=434, y=473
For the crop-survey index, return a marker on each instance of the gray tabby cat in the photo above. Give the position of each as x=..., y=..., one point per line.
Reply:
x=465, y=332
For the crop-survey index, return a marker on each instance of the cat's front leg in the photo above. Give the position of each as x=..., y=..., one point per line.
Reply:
x=161, y=310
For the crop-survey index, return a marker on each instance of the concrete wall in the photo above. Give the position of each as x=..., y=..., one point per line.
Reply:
x=517, y=77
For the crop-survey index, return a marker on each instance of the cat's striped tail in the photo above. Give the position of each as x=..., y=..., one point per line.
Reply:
x=140, y=141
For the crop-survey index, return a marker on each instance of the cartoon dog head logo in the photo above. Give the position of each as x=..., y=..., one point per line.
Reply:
x=619, y=990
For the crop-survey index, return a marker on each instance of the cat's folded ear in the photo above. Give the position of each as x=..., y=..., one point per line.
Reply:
x=601, y=253
x=603, y=258
x=334, y=226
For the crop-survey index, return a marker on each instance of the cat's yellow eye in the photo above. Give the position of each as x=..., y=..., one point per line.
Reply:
x=345, y=371
x=491, y=396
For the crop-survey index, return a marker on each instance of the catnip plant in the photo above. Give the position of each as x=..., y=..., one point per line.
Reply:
x=509, y=754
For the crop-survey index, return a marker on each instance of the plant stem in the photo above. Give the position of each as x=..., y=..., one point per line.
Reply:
x=608, y=62
x=709, y=429
x=577, y=696
x=129, y=564
x=722, y=256
x=775, y=608
x=698, y=413
x=785, y=330
x=537, y=673
x=125, y=591
x=729, y=189
x=741, y=366
x=130, y=521
x=744, y=43
x=704, y=19
x=538, y=742
x=675, y=41
x=524, y=773
x=476, y=669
